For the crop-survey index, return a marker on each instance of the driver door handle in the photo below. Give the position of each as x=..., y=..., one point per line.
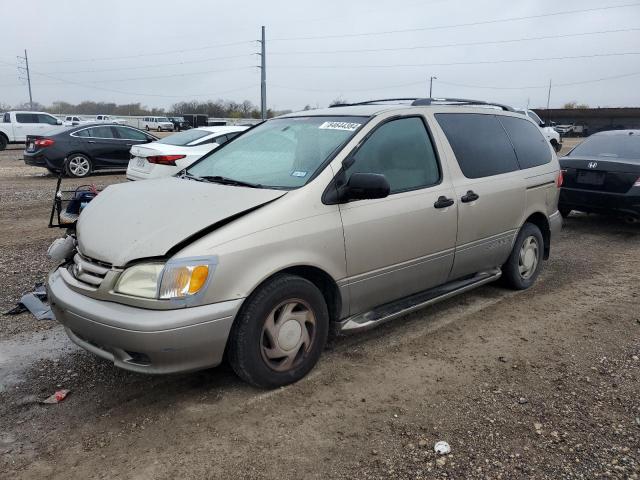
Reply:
x=470, y=196
x=91, y=141
x=443, y=202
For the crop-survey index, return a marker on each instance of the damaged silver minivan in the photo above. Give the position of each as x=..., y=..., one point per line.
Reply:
x=327, y=220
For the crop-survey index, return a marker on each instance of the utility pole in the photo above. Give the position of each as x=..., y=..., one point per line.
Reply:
x=548, y=100
x=263, y=77
x=26, y=69
x=431, y=79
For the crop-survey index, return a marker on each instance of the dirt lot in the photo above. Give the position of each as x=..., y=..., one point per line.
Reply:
x=536, y=384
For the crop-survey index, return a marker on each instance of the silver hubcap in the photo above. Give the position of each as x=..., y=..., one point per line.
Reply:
x=287, y=335
x=529, y=254
x=79, y=166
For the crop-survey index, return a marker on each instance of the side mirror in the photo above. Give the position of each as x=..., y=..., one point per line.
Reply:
x=366, y=186
x=542, y=124
x=59, y=122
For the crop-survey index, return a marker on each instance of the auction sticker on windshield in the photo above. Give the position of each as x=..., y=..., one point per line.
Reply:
x=340, y=126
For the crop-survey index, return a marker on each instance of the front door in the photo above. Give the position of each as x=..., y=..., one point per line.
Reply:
x=128, y=137
x=488, y=187
x=404, y=243
x=105, y=147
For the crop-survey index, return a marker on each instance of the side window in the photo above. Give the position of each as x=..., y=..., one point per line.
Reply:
x=402, y=151
x=479, y=143
x=101, y=132
x=130, y=134
x=531, y=147
x=220, y=139
x=26, y=118
x=48, y=119
x=232, y=135
x=83, y=133
x=7, y=118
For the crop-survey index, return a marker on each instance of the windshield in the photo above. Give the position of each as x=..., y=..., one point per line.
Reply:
x=184, y=138
x=280, y=153
x=162, y=119
x=613, y=146
x=533, y=116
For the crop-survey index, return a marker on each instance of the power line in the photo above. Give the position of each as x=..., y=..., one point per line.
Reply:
x=187, y=62
x=556, y=85
x=457, y=25
x=154, y=76
x=421, y=82
x=482, y=62
x=165, y=52
x=446, y=45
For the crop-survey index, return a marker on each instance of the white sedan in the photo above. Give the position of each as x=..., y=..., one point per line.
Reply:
x=175, y=152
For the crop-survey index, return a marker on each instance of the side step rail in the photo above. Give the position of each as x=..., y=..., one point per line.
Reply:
x=389, y=311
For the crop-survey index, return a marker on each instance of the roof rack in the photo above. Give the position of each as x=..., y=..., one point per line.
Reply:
x=430, y=101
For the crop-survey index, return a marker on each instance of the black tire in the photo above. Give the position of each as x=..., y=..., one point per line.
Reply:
x=146, y=127
x=3, y=142
x=73, y=165
x=512, y=271
x=249, y=339
x=564, y=211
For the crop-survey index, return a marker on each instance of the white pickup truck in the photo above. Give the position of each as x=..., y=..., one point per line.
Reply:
x=15, y=126
x=549, y=132
x=109, y=119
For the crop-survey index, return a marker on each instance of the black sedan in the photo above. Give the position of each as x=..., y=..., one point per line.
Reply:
x=79, y=151
x=602, y=175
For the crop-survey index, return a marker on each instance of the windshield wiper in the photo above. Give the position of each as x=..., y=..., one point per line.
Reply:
x=228, y=181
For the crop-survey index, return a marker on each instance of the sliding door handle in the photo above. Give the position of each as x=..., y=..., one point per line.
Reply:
x=443, y=202
x=470, y=196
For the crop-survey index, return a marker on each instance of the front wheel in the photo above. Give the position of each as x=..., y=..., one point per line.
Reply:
x=79, y=166
x=279, y=333
x=3, y=142
x=525, y=262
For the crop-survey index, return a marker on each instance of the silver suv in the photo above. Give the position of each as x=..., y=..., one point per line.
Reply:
x=327, y=220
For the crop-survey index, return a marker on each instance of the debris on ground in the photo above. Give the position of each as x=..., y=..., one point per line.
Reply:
x=34, y=302
x=57, y=397
x=442, y=448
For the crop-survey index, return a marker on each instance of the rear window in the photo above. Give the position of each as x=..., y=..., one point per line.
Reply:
x=611, y=146
x=532, y=149
x=185, y=138
x=26, y=118
x=479, y=143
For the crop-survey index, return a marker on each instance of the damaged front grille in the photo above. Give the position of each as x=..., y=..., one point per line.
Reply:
x=88, y=271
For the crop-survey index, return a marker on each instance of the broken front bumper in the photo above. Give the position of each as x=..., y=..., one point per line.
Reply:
x=142, y=340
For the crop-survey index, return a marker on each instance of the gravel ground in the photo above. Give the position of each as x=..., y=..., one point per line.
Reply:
x=536, y=384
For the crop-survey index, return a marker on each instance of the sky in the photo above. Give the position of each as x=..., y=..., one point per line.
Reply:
x=160, y=52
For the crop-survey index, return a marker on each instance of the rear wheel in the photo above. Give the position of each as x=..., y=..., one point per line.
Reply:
x=79, y=165
x=525, y=262
x=280, y=332
x=3, y=142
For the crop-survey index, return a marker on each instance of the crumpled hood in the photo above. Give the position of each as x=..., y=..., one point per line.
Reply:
x=144, y=219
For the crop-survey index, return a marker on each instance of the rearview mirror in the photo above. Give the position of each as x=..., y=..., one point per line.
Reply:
x=366, y=186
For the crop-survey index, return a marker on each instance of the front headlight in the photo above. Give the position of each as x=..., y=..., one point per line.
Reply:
x=178, y=279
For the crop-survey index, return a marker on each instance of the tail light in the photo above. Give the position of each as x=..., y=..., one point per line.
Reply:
x=560, y=178
x=44, y=142
x=165, y=159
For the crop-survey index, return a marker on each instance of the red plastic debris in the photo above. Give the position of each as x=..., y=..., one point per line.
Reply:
x=57, y=397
